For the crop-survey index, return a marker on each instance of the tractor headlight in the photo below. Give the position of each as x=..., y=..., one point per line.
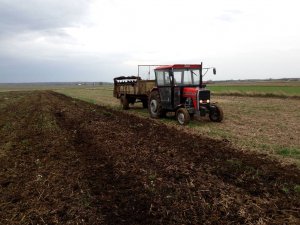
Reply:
x=204, y=101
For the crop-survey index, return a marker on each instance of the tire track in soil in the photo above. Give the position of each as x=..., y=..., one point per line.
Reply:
x=138, y=171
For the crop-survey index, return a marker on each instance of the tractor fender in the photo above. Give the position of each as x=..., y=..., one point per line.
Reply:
x=179, y=106
x=153, y=89
x=213, y=105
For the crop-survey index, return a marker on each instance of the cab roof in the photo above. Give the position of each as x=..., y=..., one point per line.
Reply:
x=179, y=66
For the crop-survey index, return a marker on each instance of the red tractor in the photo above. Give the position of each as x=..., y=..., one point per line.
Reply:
x=179, y=88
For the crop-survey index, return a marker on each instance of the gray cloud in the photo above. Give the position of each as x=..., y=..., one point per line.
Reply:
x=19, y=16
x=36, y=44
x=23, y=22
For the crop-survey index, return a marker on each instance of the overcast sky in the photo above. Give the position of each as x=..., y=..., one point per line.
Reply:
x=95, y=40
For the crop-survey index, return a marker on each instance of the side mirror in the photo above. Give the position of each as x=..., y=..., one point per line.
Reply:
x=214, y=71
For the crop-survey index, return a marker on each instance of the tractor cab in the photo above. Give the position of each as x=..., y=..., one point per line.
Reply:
x=179, y=88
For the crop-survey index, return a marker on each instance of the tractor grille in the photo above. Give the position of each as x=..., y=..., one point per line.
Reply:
x=204, y=95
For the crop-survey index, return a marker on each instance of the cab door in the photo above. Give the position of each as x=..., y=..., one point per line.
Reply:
x=164, y=84
x=177, y=86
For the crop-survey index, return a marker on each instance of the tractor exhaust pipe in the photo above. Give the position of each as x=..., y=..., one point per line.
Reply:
x=201, y=81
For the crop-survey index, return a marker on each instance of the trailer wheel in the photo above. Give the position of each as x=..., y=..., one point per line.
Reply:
x=124, y=102
x=145, y=104
x=131, y=101
x=216, y=113
x=183, y=116
x=154, y=105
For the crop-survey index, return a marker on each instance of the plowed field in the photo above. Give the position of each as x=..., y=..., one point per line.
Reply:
x=64, y=161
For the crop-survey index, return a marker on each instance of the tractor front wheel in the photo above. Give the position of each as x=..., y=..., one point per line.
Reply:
x=216, y=113
x=124, y=102
x=183, y=116
x=154, y=105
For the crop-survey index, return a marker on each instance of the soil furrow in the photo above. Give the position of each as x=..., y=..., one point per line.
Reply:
x=88, y=164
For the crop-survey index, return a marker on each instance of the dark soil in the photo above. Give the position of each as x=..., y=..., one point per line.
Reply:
x=64, y=161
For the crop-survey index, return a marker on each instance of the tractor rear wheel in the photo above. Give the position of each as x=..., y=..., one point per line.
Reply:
x=154, y=105
x=124, y=102
x=216, y=113
x=183, y=116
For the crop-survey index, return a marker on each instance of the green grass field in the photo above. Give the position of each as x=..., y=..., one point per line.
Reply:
x=259, y=90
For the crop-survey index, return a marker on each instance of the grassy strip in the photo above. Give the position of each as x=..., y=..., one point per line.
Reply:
x=290, y=90
x=289, y=152
x=256, y=94
x=273, y=91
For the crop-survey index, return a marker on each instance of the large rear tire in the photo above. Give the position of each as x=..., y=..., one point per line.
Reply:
x=216, y=113
x=124, y=102
x=183, y=116
x=154, y=105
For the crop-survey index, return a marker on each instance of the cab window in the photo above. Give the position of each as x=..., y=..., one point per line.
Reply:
x=177, y=77
x=163, y=78
x=187, y=77
x=167, y=78
x=160, y=78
